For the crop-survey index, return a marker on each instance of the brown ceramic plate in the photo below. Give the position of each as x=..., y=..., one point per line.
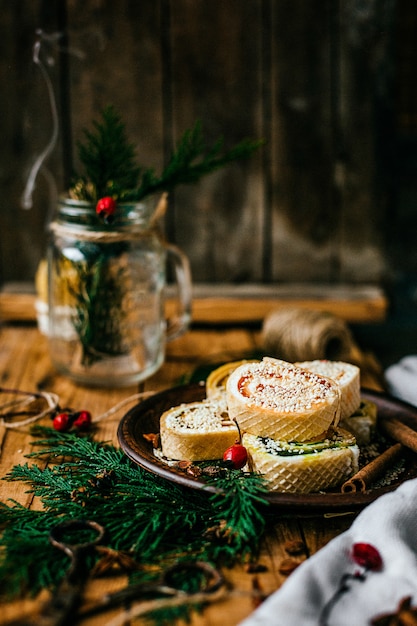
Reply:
x=144, y=418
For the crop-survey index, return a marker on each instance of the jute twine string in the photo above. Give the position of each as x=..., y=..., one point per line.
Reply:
x=133, y=233
x=96, y=236
x=23, y=399
x=299, y=334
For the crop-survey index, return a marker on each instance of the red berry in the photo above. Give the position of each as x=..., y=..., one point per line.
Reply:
x=365, y=555
x=237, y=456
x=61, y=422
x=106, y=208
x=83, y=420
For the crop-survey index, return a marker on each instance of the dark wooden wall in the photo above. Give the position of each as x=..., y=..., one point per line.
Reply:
x=320, y=80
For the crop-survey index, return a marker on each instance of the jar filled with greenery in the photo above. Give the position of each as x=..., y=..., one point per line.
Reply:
x=107, y=260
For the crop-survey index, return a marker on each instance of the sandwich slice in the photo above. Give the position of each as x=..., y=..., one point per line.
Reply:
x=347, y=377
x=198, y=431
x=277, y=399
x=362, y=423
x=308, y=467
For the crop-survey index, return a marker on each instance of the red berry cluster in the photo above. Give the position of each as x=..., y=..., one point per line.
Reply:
x=65, y=421
x=369, y=559
x=367, y=556
x=236, y=456
x=106, y=208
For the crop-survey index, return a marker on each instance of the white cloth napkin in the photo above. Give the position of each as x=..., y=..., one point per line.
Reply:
x=390, y=525
x=401, y=379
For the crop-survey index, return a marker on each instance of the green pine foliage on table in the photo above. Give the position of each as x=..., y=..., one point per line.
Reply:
x=152, y=521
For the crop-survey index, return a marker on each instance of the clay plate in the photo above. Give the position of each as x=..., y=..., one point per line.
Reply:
x=144, y=418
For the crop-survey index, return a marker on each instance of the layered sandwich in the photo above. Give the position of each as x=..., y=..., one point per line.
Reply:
x=287, y=414
x=357, y=415
x=346, y=375
x=277, y=399
x=295, y=467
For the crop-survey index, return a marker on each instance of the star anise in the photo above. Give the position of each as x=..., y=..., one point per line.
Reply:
x=406, y=615
x=189, y=468
x=113, y=561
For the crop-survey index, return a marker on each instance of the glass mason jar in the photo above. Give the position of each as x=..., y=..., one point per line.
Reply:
x=106, y=286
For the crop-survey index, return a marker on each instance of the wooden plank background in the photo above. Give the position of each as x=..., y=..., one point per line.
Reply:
x=315, y=78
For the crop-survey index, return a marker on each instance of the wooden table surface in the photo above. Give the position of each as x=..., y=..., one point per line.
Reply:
x=25, y=365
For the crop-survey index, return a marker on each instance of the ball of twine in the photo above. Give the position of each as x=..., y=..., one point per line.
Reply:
x=298, y=334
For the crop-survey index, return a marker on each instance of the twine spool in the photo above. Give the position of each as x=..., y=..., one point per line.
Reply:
x=298, y=334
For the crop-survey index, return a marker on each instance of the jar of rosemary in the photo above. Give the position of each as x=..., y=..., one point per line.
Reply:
x=106, y=286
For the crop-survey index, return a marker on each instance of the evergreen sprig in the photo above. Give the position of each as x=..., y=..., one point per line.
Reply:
x=192, y=160
x=108, y=158
x=99, y=316
x=239, y=500
x=110, y=166
x=153, y=520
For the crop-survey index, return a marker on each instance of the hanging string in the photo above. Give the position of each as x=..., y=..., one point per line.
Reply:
x=27, y=201
x=52, y=402
x=137, y=396
x=25, y=398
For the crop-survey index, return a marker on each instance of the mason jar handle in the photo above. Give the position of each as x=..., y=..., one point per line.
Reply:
x=178, y=322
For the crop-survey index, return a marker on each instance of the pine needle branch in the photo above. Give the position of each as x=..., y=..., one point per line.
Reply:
x=153, y=520
x=193, y=159
x=110, y=167
x=108, y=157
x=238, y=504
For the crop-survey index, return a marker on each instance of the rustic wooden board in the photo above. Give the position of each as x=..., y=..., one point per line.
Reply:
x=324, y=226
x=26, y=129
x=119, y=62
x=231, y=304
x=312, y=78
x=217, y=77
x=24, y=363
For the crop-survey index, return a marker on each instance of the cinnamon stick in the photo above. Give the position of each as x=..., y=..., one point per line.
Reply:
x=400, y=432
x=373, y=470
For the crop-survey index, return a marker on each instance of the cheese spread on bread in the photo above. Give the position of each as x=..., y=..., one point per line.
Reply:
x=287, y=415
